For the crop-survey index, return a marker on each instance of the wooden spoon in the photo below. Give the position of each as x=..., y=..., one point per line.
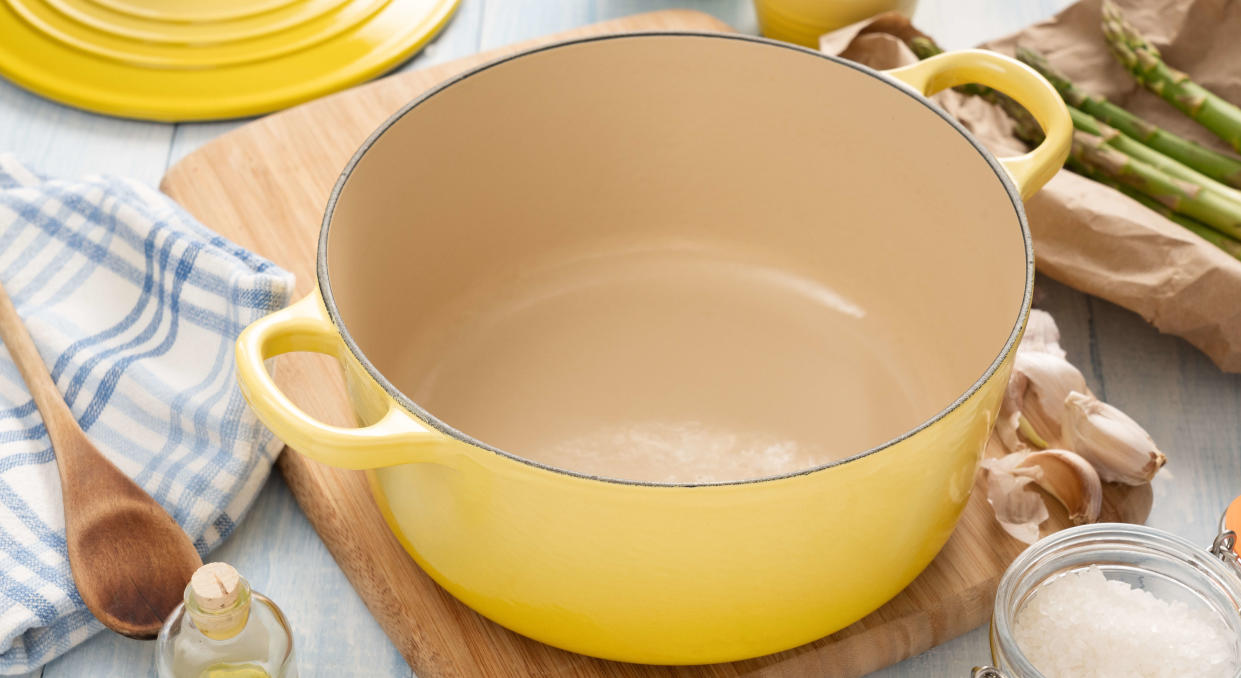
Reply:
x=129, y=558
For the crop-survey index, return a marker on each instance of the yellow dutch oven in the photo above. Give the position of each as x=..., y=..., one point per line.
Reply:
x=689, y=239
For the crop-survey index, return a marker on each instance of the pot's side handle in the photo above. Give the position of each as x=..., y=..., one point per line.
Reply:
x=1031, y=170
x=397, y=438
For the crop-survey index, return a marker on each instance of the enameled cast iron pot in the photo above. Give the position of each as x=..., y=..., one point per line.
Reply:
x=727, y=234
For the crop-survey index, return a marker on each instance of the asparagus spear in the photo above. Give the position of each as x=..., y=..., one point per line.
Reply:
x=1219, y=166
x=1208, y=234
x=1138, y=55
x=1134, y=149
x=1182, y=197
x=1229, y=245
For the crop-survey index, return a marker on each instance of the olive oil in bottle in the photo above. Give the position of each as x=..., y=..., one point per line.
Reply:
x=225, y=630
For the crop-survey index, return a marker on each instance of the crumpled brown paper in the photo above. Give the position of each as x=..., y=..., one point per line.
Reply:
x=1087, y=235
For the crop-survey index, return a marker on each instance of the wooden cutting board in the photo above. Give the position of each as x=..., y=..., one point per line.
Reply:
x=265, y=185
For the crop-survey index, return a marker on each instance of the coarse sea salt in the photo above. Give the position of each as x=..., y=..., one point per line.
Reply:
x=1084, y=624
x=682, y=452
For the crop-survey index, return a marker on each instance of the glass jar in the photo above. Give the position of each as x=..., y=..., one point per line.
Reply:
x=1167, y=566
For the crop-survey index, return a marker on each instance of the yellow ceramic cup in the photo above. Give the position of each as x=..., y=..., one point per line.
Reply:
x=828, y=180
x=801, y=22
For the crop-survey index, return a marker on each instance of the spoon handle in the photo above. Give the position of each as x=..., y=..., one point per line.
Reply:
x=56, y=415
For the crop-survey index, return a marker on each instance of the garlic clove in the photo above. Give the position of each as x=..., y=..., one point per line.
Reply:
x=1049, y=380
x=1018, y=509
x=1117, y=446
x=1070, y=479
x=1041, y=334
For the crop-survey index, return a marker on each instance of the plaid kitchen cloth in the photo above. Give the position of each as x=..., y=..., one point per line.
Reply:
x=134, y=307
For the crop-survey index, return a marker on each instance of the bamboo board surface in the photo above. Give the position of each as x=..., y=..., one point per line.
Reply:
x=264, y=186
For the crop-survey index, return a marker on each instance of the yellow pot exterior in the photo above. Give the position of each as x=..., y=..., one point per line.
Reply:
x=666, y=573
x=686, y=575
x=658, y=574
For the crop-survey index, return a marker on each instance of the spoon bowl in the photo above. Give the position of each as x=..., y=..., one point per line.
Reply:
x=130, y=560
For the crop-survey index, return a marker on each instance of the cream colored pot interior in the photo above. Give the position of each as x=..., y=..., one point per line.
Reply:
x=703, y=259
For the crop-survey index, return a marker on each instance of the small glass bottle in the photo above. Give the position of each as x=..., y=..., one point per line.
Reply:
x=224, y=630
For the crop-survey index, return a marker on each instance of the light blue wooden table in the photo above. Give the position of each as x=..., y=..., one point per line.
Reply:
x=1188, y=406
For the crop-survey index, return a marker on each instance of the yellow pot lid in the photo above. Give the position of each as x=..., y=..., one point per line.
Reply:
x=176, y=60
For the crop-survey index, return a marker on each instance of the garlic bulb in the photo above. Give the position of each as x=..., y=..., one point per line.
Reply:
x=1059, y=437
x=1049, y=380
x=1120, y=449
x=1041, y=339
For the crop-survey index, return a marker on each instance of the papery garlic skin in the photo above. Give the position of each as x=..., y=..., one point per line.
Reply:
x=1018, y=509
x=1009, y=418
x=1061, y=473
x=1118, y=447
x=1041, y=334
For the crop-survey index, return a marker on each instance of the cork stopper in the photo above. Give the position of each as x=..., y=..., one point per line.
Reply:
x=219, y=600
x=216, y=586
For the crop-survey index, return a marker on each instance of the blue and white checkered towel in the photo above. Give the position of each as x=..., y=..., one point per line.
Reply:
x=134, y=307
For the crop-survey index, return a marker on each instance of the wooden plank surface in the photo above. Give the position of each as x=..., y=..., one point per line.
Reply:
x=264, y=186
x=1190, y=408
